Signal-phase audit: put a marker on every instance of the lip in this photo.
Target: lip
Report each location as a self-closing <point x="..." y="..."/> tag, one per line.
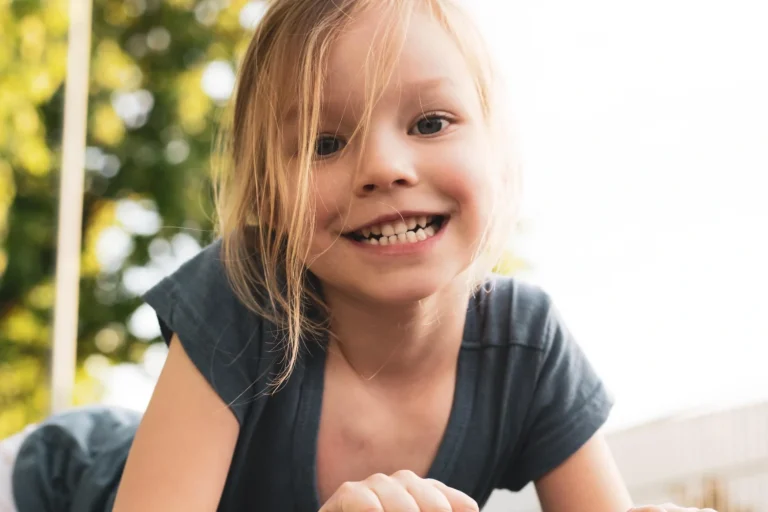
<point x="394" y="217"/>
<point x="403" y="249"/>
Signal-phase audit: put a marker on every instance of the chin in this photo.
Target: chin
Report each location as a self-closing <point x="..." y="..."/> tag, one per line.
<point x="400" y="293"/>
<point x="393" y="285"/>
<point x="394" y="290"/>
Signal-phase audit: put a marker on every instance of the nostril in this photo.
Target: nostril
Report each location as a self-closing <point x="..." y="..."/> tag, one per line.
<point x="401" y="182"/>
<point x="369" y="187"/>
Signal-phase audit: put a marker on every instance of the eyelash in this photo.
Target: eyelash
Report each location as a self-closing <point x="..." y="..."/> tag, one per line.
<point x="431" y="116"/>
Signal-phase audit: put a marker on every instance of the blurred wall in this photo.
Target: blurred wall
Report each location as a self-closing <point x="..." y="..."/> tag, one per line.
<point x="717" y="460"/>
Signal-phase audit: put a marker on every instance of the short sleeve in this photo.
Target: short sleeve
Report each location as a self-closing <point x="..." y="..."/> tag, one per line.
<point x="569" y="405"/>
<point x="223" y="339"/>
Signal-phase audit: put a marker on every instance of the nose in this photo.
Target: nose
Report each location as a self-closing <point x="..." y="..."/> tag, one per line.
<point x="386" y="164"/>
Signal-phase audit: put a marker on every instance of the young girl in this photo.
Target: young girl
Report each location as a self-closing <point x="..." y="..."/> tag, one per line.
<point x="343" y="347"/>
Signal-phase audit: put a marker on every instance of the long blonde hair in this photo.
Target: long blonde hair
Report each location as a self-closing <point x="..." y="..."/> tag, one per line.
<point x="264" y="226"/>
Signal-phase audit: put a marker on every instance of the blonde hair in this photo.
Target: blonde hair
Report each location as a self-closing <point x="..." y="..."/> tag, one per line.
<point x="264" y="226"/>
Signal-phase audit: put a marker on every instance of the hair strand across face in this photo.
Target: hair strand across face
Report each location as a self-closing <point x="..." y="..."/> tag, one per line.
<point x="263" y="191"/>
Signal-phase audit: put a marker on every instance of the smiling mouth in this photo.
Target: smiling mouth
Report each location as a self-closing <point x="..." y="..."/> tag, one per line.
<point x="404" y="231"/>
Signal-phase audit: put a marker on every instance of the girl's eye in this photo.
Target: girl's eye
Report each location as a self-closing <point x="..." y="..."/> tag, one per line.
<point x="327" y="145"/>
<point x="430" y="125"/>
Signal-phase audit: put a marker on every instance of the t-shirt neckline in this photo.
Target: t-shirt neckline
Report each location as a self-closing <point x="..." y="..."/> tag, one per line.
<point x="307" y="425"/>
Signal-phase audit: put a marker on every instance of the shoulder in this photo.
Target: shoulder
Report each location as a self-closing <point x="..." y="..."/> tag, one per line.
<point x="551" y="400"/>
<point x="200" y="292"/>
<point x="231" y="345"/>
<point x="509" y="311"/>
<point x="200" y="286"/>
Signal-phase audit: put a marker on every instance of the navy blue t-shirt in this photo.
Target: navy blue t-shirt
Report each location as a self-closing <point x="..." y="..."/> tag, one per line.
<point x="525" y="399"/>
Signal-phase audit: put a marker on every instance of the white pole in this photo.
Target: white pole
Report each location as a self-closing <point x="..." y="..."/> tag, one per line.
<point x="71" y="206"/>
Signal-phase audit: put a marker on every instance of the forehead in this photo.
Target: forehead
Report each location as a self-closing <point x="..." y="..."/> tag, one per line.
<point x="425" y="54"/>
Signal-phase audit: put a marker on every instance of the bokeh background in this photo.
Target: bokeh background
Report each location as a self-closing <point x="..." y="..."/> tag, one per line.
<point x="643" y="134"/>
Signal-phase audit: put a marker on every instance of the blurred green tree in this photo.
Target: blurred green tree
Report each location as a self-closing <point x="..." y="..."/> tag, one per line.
<point x="159" y="72"/>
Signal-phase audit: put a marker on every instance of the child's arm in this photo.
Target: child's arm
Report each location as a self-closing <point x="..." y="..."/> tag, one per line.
<point x="588" y="481"/>
<point x="183" y="448"/>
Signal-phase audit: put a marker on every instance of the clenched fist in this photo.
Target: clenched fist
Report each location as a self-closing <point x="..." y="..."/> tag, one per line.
<point x="403" y="491"/>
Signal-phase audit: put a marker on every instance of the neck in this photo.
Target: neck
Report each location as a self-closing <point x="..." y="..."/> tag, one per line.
<point x="397" y="342"/>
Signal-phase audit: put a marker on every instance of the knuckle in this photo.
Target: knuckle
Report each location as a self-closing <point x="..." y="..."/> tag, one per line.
<point x="471" y="505"/>
<point x="460" y="499"/>
<point x="466" y="503"/>
<point x="378" y="478"/>
<point x="349" y="494"/>
<point x="348" y="488"/>
<point x="405" y="474"/>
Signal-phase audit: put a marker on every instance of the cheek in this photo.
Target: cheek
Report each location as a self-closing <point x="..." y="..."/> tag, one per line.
<point x="466" y="176"/>
<point x="330" y="193"/>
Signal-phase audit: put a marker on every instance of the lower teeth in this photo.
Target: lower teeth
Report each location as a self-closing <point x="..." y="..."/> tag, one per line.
<point x="407" y="237"/>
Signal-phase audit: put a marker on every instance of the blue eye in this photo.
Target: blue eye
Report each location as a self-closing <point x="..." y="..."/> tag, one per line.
<point x="327" y="145"/>
<point x="430" y="125"/>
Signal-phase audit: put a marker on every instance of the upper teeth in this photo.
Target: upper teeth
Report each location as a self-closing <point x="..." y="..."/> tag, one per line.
<point x="411" y="229"/>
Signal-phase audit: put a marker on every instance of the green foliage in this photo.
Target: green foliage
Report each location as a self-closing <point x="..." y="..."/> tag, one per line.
<point x="150" y="53"/>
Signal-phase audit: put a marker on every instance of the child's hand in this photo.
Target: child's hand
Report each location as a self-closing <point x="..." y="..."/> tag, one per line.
<point x="403" y="490"/>
<point x="668" y="507"/>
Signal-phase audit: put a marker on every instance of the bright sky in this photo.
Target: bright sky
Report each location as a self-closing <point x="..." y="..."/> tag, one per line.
<point x="645" y="138"/>
<point x="644" y="129"/>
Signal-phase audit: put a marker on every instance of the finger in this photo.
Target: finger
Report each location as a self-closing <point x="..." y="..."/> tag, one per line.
<point x="459" y="501"/>
<point x="428" y="497"/>
<point x="353" y="497"/>
<point x="391" y="494"/>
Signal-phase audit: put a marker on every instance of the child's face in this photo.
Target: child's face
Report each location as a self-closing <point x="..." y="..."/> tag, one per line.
<point x="425" y="160"/>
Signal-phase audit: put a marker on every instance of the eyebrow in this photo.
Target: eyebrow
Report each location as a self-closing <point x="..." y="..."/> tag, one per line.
<point x="429" y="84"/>
<point x="292" y="113"/>
<point x="418" y="92"/>
<point x="416" y="87"/>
